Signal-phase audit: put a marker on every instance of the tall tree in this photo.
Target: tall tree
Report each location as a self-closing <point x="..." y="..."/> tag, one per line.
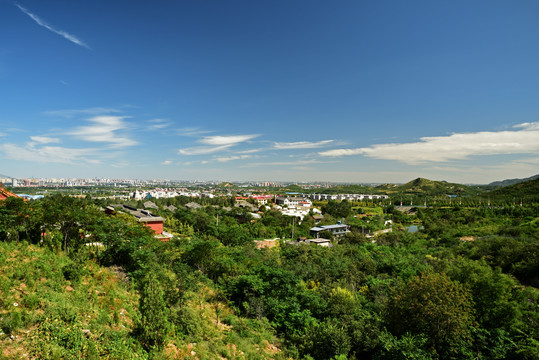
<point x="154" y="325"/>
<point x="434" y="305"/>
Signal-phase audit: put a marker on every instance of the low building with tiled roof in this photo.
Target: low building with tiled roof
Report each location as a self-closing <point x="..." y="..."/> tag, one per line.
<point x="143" y="216"/>
<point x="4" y="193"/>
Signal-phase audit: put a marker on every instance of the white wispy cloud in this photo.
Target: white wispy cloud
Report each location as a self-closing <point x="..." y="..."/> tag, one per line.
<point x="44" y="140"/>
<point x="48" y="154"/>
<point x="166" y="162"/>
<point x="157" y="124"/>
<point x="233" y="157"/>
<point x="62" y="33"/>
<point x="120" y="164"/>
<point x="528" y="126"/>
<point x="251" y="151"/>
<point x="219" y="142"/>
<point x="104" y="129"/>
<point x="192" y="132"/>
<point x="302" y="144"/>
<point x="534" y="161"/>
<point x="226" y="140"/>
<point x="458" y="146"/>
<point x="203" y="150"/>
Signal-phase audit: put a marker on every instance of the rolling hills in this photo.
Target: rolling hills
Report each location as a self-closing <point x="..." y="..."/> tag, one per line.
<point x="426" y="187"/>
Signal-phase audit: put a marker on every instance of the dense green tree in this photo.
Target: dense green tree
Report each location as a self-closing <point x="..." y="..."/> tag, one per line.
<point x="325" y="340"/>
<point x="154" y="326"/>
<point x="437" y="307"/>
<point x="14" y="219"/>
<point x="68" y="215"/>
<point x="353" y="237"/>
<point x="404" y="347"/>
<point x="338" y="209"/>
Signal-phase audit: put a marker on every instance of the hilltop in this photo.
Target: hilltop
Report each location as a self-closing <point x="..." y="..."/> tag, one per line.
<point x="523" y="190"/>
<point x="508" y="182"/>
<point x="421" y="186"/>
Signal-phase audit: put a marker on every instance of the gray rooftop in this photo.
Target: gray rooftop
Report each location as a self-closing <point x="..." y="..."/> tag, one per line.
<point x="327" y="227"/>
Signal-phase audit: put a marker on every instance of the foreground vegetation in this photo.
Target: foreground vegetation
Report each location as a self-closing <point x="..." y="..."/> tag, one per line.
<point x="210" y="293"/>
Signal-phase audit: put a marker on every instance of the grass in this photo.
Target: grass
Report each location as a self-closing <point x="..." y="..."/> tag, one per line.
<point x="48" y="312"/>
<point x="221" y="334"/>
<point x="52" y="307"/>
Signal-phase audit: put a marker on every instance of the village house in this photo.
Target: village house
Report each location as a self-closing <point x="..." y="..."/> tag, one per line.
<point x="4" y="194"/>
<point x="143" y="216"/>
<point x="293" y="201"/>
<point x="337" y="230"/>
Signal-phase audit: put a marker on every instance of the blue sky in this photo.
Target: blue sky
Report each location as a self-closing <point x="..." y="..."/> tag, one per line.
<point x="352" y="91"/>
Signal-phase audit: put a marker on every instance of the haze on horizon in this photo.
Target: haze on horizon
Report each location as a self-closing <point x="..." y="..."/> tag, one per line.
<point x="278" y="91"/>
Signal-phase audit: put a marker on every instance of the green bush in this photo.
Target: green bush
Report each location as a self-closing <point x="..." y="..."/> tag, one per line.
<point x="31" y="301"/>
<point x="187" y="321"/>
<point x="59" y="340"/>
<point x="10" y="322"/>
<point x="73" y="272"/>
<point x="153" y="326"/>
<point x="325" y="340"/>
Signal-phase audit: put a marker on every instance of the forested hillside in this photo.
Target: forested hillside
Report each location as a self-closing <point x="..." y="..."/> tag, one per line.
<point x="425" y="187"/>
<point x="77" y="283"/>
<point x="508" y="182"/>
<point x="527" y="190"/>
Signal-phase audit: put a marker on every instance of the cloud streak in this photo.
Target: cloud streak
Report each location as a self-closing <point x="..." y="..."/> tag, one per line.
<point x="302" y="144"/>
<point x="233" y="157"/>
<point x="158" y="124"/>
<point x="226" y="140"/>
<point x="192" y="132"/>
<point x="203" y="150"/>
<point x="217" y="143"/>
<point x="47" y="154"/>
<point x="103" y="129"/>
<point x="457" y="146"/>
<point x="44" y="139"/>
<point x="62" y="33"/>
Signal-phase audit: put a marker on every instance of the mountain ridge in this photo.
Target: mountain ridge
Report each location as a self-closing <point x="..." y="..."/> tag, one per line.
<point x="422" y="186"/>
<point x="526" y="189"/>
<point x="508" y="182"/>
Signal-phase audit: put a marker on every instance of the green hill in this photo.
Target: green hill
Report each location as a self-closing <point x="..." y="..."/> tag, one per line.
<point x="508" y="182"/>
<point x="52" y="307"/>
<point x="426" y="187"/>
<point x="526" y="190"/>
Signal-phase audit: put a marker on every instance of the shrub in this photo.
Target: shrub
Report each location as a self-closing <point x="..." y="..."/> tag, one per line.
<point x="153" y="326"/>
<point x="11" y="322"/>
<point x="73" y="272"/>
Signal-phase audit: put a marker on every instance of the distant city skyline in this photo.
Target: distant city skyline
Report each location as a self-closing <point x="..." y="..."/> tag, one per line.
<point x="351" y="91"/>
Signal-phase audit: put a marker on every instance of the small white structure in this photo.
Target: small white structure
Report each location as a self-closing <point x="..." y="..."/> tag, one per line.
<point x="293" y="201"/>
<point x="336" y="229"/>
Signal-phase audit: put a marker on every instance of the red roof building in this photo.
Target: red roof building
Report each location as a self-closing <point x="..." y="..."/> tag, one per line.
<point x="4" y="194"/>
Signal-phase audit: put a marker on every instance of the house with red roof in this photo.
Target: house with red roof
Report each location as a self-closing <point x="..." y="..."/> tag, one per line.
<point x="4" y="194"/>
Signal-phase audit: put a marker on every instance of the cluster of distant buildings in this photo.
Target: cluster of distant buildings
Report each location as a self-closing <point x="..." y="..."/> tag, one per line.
<point x="82" y="182"/>
<point x="291" y="206"/>
<point x="163" y="193"/>
<point x="350" y="197"/>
